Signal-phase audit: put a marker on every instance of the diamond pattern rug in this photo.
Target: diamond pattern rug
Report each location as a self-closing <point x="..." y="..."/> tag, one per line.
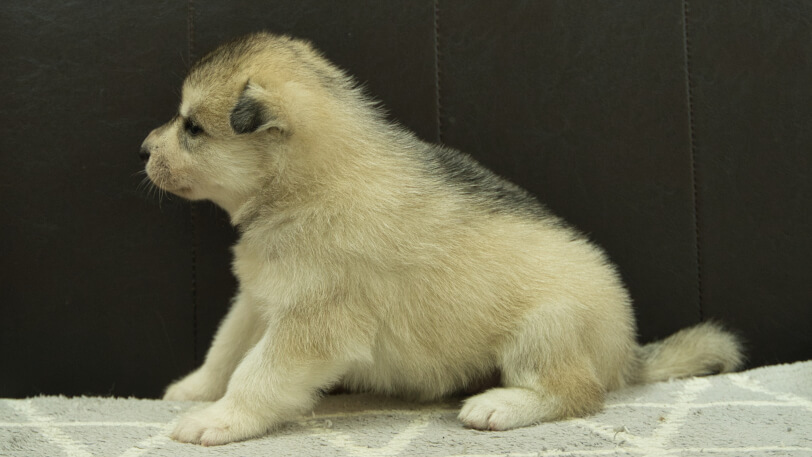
<point x="763" y="412"/>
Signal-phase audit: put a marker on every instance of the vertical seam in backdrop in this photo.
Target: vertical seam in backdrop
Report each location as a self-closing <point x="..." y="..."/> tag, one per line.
<point x="193" y="210"/>
<point x="689" y="87"/>
<point x="437" y="71"/>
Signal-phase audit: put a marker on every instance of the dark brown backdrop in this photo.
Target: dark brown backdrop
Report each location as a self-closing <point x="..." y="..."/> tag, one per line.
<point x="676" y="133"/>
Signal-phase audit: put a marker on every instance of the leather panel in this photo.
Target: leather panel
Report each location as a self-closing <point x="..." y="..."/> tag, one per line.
<point x="96" y="274"/>
<point x="751" y="70"/>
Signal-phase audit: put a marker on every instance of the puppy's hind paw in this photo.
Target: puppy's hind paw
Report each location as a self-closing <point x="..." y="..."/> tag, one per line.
<point x="502" y="409"/>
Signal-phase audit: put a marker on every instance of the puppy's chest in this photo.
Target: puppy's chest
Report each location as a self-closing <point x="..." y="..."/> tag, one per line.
<point x="268" y="276"/>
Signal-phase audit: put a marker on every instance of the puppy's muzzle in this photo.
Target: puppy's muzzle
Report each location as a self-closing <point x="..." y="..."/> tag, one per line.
<point x="149" y="144"/>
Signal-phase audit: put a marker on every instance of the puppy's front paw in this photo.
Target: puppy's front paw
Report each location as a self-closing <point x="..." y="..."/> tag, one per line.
<point x="197" y="386"/>
<point x="221" y="423"/>
<point x="502" y="409"/>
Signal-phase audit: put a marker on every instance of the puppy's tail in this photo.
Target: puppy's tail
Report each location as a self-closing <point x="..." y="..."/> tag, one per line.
<point x="704" y="349"/>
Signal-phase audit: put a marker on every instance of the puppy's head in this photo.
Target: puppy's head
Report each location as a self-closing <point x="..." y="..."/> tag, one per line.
<point x="235" y="122"/>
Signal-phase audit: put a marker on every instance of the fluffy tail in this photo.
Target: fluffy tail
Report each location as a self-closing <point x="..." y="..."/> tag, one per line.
<point x="696" y="351"/>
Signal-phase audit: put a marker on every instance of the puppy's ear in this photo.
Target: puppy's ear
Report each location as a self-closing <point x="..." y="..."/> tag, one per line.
<point x="256" y="109"/>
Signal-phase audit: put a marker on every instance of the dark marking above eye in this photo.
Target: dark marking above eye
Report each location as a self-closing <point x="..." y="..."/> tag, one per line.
<point x="192" y="127"/>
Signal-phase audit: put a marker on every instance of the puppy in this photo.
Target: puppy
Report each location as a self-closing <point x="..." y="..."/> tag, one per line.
<point x="374" y="261"/>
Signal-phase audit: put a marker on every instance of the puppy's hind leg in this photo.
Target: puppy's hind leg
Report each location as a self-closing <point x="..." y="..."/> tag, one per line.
<point x="564" y="392"/>
<point x="538" y="387"/>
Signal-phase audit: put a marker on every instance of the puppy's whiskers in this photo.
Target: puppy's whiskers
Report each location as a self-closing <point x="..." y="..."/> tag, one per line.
<point x="149" y="189"/>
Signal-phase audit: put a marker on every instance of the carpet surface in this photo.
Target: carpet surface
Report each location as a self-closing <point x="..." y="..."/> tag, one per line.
<point x="765" y="411"/>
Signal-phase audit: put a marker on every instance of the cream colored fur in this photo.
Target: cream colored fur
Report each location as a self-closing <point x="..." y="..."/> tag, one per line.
<point x="370" y="259"/>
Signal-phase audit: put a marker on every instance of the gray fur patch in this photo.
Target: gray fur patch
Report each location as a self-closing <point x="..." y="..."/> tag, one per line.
<point x="478" y="183"/>
<point x="248" y="114"/>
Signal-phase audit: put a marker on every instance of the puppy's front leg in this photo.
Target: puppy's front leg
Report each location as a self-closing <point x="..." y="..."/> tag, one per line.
<point x="239" y="332"/>
<point x="279" y="378"/>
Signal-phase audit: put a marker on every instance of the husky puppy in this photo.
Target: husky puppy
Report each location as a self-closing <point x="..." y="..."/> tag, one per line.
<point x="375" y="261"/>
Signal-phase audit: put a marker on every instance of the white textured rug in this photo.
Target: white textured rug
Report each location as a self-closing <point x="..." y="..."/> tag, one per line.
<point x="766" y="411"/>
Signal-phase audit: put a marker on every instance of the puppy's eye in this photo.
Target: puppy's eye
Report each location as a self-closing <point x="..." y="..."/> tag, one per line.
<point x="192" y="128"/>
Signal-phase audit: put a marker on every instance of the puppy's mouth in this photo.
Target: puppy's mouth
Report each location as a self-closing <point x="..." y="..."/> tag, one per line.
<point x="181" y="191"/>
<point x="164" y="180"/>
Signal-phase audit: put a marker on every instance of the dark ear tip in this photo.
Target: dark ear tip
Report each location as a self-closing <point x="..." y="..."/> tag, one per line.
<point x="243" y="122"/>
<point x="248" y="114"/>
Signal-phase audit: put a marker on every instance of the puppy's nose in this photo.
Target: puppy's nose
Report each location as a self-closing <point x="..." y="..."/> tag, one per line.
<point x="144" y="153"/>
